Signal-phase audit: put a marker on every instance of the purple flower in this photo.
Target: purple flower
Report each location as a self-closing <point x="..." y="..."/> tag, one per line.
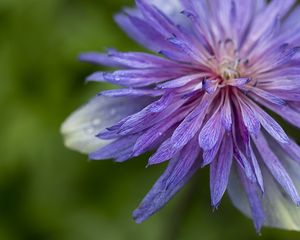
<point x="204" y="101"/>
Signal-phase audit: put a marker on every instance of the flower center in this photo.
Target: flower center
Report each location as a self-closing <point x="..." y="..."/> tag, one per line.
<point x="229" y="69"/>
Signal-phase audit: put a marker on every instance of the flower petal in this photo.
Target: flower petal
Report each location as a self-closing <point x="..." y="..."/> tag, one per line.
<point x="80" y="129"/>
<point x="139" y="60"/>
<point x="158" y="131"/>
<point x="270" y="125"/>
<point x="280" y="211"/>
<point x="99" y="59"/>
<point x="211" y="132"/>
<point x="165" y="152"/>
<point x="125" y="92"/>
<point x="178" y="172"/>
<point x="246" y="197"/>
<point x="169" y="7"/>
<point x="276" y="168"/>
<point x="121" y="149"/>
<point x="220" y="170"/>
<point x="192" y="123"/>
<point x="141" y="77"/>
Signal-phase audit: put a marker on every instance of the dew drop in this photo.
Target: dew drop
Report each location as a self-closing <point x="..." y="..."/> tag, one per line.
<point x="89" y="130"/>
<point x="96" y="122"/>
<point x="113" y="111"/>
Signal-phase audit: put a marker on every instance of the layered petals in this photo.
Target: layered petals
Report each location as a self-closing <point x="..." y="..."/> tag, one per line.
<point x="205" y="97"/>
<point x="81" y="128"/>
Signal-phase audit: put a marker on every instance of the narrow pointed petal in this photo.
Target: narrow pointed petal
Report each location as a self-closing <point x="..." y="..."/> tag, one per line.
<point x="249" y="118"/>
<point x="272" y="127"/>
<point x="211" y="132"/>
<point x="226" y="114"/>
<point x="191" y="124"/>
<point x="120" y="150"/>
<point x="277" y="169"/>
<point x="246" y="197"/>
<point x="210" y="155"/>
<point x="293" y="150"/>
<point x="99" y="59"/>
<point x="141" y="78"/>
<point x="159" y="131"/>
<point x="280" y="211"/>
<point x="220" y="171"/>
<point x="180" y="82"/>
<point x="165" y="152"/>
<point x="139" y="60"/>
<point x="131" y="92"/>
<point x="179" y="171"/>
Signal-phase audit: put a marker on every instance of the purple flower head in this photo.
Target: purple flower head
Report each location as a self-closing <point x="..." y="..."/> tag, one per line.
<point x="203" y="100"/>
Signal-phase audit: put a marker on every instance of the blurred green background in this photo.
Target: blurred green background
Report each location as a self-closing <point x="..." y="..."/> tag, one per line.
<point x="50" y="193"/>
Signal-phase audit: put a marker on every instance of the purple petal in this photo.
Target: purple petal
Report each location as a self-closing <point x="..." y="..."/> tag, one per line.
<point x="244" y="164"/>
<point x="267" y="96"/>
<point x="292" y="149"/>
<point x="191" y="124"/>
<point x="150" y="33"/>
<point x="97" y="76"/>
<point x="179" y="171"/>
<point x="276" y="168"/>
<point x="117" y="149"/>
<point x="142" y="77"/>
<point x="249" y="117"/>
<point x="271" y="126"/>
<point x="257" y="170"/>
<point x="211" y="132"/>
<point x="165" y="152"/>
<point x="280" y="211"/>
<point x="220" y="169"/>
<point x="180" y="82"/>
<point x="290" y="114"/>
<point x="159" y="20"/>
<point x="152" y="114"/>
<point x="210" y="86"/>
<point x="226" y="113"/>
<point x="239" y="81"/>
<point x="209" y="155"/>
<point x="182" y="46"/>
<point x="288" y="95"/>
<point x="157" y="131"/>
<point x="132" y="92"/>
<point x="255" y="203"/>
<point x="274" y="9"/>
<point x="134" y="32"/>
<point x="140" y="60"/>
<point x="99" y="59"/>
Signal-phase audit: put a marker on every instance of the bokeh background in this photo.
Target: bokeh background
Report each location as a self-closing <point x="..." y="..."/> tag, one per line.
<point x="48" y="192"/>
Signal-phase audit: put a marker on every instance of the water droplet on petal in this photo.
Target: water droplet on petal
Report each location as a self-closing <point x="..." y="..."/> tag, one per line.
<point x="96" y="122"/>
<point x="113" y="111"/>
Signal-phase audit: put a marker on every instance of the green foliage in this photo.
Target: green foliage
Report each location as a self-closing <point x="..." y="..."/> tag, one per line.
<point x="50" y="193"/>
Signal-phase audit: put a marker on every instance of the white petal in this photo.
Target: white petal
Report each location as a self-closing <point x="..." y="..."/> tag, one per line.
<point x="172" y="9"/>
<point x="280" y="211"/>
<point x="237" y="194"/>
<point x="169" y="7"/>
<point x="80" y="129"/>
